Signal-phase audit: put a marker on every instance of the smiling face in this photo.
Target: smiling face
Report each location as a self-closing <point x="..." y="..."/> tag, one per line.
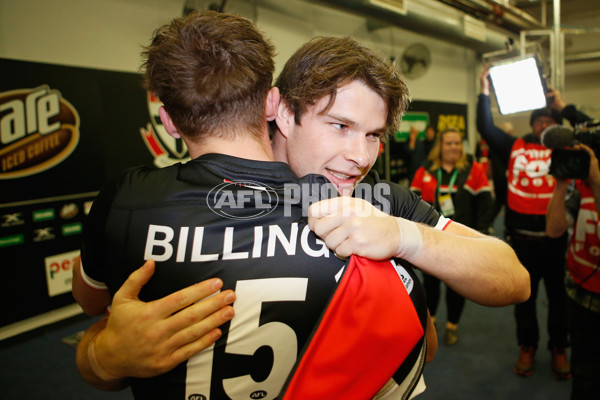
<point x="451" y="147"/>
<point x="341" y="143"/>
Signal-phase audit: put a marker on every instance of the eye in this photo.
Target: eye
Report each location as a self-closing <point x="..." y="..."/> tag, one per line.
<point x="375" y="135"/>
<point x="339" y="126"/>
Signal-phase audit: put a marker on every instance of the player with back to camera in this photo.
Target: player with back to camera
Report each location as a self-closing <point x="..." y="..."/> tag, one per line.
<point x="505" y="280"/>
<point x="274" y="259"/>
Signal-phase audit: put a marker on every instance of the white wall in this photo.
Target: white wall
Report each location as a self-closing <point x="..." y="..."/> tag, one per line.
<point x="108" y="34"/>
<point x="105" y="34"/>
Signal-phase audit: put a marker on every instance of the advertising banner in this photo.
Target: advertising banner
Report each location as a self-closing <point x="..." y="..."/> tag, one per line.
<point x="64" y="131"/>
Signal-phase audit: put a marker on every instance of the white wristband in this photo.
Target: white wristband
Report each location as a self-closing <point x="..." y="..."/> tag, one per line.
<point x="98" y="370"/>
<point x="411" y="240"/>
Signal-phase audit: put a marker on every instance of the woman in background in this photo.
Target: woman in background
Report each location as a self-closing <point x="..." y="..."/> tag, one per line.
<point x="457" y="186"/>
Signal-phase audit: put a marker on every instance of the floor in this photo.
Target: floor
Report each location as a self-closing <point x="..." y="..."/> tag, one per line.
<point x="479" y="366"/>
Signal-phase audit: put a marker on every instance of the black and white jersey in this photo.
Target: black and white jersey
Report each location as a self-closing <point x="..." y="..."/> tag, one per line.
<point x="236" y="219"/>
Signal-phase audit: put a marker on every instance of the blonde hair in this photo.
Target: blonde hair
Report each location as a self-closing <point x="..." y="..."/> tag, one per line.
<point x="435" y="155"/>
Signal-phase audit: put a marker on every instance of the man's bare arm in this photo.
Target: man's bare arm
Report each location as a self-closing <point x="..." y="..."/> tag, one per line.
<point x="431" y="337"/>
<point x="556" y="214"/>
<point x="142" y="339"/>
<point x="481" y="268"/>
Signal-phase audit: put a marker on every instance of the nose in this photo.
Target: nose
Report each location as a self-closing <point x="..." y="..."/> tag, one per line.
<point x="358" y="152"/>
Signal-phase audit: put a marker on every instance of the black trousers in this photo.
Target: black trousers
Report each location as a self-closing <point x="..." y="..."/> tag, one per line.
<point x="584" y="328"/>
<point x="544" y="258"/>
<point x="455" y="303"/>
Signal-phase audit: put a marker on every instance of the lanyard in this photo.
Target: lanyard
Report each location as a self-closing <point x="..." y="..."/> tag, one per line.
<point x="444" y="202"/>
<point x="450" y="185"/>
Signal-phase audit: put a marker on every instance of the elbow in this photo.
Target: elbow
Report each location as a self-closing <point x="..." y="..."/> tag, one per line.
<point x="517" y="289"/>
<point x="522" y="286"/>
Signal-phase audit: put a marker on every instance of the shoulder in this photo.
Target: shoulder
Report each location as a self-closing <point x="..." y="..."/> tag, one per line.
<point x="476" y="166"/>
<point x="137" y="182"/>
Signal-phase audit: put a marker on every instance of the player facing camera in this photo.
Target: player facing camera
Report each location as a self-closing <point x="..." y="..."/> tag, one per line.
<point x="569" y="163"/>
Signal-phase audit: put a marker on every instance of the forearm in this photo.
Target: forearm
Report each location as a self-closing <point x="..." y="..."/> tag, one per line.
<point x="574" y="116"/>
<point x="498" y="141"/>
<point x="481" y="268"/>
<point x="556" y="215"/>
<point x="596" y="191"/>
<point x="88" y="368"/>
<point x="431" y="338"/>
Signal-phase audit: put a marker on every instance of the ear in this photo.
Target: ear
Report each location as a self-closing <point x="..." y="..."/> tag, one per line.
<point x="272" y="103"/>
<point x="168" y="123"/>
<point x="285" y="118"/>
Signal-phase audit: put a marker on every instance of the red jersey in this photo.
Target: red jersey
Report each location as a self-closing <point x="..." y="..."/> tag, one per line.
<point x="584" y="247"/>
<point x="530" y="186"/>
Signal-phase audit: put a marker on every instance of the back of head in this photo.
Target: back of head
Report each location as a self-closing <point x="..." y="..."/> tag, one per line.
<point x="321" y="66"/>
<point x="212" y="71"/>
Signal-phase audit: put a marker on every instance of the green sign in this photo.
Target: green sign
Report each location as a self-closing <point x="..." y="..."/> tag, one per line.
<point x="410" y="119"/>
<point x="12" y="240"/>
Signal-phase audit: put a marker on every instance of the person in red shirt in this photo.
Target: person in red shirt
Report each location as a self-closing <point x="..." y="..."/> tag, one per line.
<point x="582" y="280"/>
<point x="457" y="186"/>
<point x="529" y="189"/>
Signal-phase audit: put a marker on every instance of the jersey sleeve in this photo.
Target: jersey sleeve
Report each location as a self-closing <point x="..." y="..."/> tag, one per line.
<point x="498" y="141"/>
<point x="92" y="248"/>
<point x="411" y="206"/>
<point x="399" y="201"/>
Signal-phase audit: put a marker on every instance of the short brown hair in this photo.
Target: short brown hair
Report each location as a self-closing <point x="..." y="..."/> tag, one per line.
<point x="324" y="64"/>
<point x="212" y="71"/>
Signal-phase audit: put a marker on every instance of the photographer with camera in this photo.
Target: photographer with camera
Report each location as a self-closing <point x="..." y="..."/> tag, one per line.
<point x="529" y="188"/>
<point x="582" y="280"/>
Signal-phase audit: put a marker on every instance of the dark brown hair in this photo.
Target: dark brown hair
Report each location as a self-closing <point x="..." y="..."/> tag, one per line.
<point x="324" y="64"/>
<point x="212" y="71"/>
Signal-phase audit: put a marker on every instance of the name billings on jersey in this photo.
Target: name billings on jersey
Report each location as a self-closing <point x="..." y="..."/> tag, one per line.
<point x="165" y="243"/>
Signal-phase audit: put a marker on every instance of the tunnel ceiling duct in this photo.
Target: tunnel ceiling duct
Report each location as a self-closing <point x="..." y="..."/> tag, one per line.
<point x="431" y="18"/>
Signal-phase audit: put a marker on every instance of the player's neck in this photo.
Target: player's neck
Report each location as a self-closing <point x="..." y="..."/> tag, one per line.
<point x="248" y="147"/>
<point x="279" y="148"/>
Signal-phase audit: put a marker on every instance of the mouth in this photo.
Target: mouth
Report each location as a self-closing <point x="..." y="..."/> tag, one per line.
<point x="341" y="180"/>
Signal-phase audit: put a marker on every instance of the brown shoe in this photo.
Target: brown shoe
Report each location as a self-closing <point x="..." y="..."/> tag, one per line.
<point x="559" y="364"/>
<point x="451" y="337"/>
<point x="524" y="365"/>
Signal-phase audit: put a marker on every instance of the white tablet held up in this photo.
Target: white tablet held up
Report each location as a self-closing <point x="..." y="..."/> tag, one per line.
<point x="518" y="84"/>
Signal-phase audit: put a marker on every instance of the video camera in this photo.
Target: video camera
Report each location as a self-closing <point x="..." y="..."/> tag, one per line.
<point x="572" y="163"/>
